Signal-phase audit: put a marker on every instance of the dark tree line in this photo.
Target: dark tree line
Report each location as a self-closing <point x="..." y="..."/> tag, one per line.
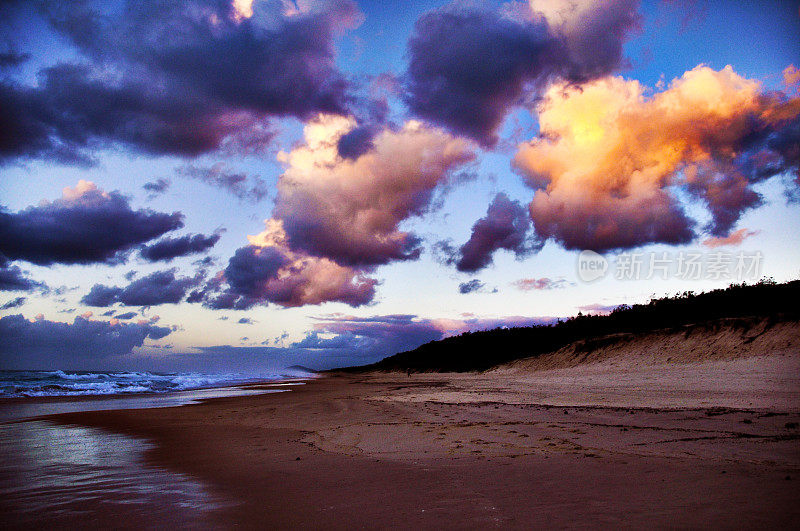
<point x="477" y="351"/>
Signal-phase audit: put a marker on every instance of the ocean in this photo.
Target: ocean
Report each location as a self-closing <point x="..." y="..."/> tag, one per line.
<point x="14" y="384"/>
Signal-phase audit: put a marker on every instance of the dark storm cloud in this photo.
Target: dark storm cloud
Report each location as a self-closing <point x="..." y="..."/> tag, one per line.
<point x="507" y="226"/>
<point x="175" y="77"/>
<point x="161" y="287"/>
<point x="168" y="248"/>
<point x="85" y="226"/>
<point x="469" y="65"/>
<point x="47" y="344"/>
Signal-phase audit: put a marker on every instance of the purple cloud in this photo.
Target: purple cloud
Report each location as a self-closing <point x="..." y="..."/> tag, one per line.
<point x="189" y="78"/>
<point x="469" y="65"/>
<point x="506" y="225"/>
<point x="271" y="274"/>
<point x="169" y="248"/>
<point x="47" y="344"/>
<point x="349" y="210"/>
<point x="85" y="226"/>
<point x="161" y="287"/>
<point x="12" y="278"/>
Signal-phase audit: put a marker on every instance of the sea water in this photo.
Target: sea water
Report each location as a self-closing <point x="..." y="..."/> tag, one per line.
<point x="89" y="383"/>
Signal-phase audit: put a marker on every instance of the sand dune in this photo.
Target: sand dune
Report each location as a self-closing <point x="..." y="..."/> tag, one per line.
<point x="724" y="339"/>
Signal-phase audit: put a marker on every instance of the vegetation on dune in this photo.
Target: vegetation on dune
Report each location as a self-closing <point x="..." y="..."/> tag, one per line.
<point x="476" y="351"/>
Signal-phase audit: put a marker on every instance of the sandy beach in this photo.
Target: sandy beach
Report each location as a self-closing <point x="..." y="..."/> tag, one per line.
<point x="607" y="444"/>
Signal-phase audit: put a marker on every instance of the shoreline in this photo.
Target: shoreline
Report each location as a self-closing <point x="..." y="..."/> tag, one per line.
<point x="21" y="409"/>
<point x="384" y="450"/>
<point x="139" y="394"/>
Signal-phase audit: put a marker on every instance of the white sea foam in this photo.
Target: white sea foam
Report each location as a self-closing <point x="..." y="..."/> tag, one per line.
<point x="73" y="383"/>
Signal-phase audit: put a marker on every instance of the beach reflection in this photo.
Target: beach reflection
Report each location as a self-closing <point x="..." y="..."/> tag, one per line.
<point x="55" y="475"/>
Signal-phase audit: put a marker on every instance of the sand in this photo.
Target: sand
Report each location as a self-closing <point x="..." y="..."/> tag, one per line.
<point x="616" y="443"/>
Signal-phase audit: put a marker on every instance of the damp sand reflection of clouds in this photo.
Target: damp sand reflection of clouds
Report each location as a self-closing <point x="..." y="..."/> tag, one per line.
<point x="60" y="475"/>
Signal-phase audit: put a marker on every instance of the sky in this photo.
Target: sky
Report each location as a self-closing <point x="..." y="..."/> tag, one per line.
<point x="240" y="186"/>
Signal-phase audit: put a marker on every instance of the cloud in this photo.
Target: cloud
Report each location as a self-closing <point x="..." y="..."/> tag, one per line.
<point x="180" y="78"/>
<point x="598" y="309"/>
<point x="335" y="341"/>
<point x="44" y="344"/>
<point x="528" y="284"/>
<point x="12" y="278"/>
<point x="349" y="210"/>
<point x="468" y="65"/>
<point x="505" y="226"/>
<point x="609" y="157"/>
<point x="11" y="59"/>
<point x="169" y="248"/>
<point x="126" y="316"/>
<point x="592" y="33"/>
<point x="237" y="184"/>
<point x="13" y="303"/>
<point x="87" y="225"/>
<point x="364" y="339"/>
<point x="246" y="320"/>
<point x="336" y="218"/>
<point x="791" y="76"/>
<point x="159" y="186"/>
<point x="267" y="271"/>
<point x="356" y="142"/>
<point x="735" y="238"/>
<point x="470" y="286"/>
<point x="160" y="287"/>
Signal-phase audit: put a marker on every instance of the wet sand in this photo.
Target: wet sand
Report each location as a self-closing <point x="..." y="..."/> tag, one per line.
<point x="608" y="444"/>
